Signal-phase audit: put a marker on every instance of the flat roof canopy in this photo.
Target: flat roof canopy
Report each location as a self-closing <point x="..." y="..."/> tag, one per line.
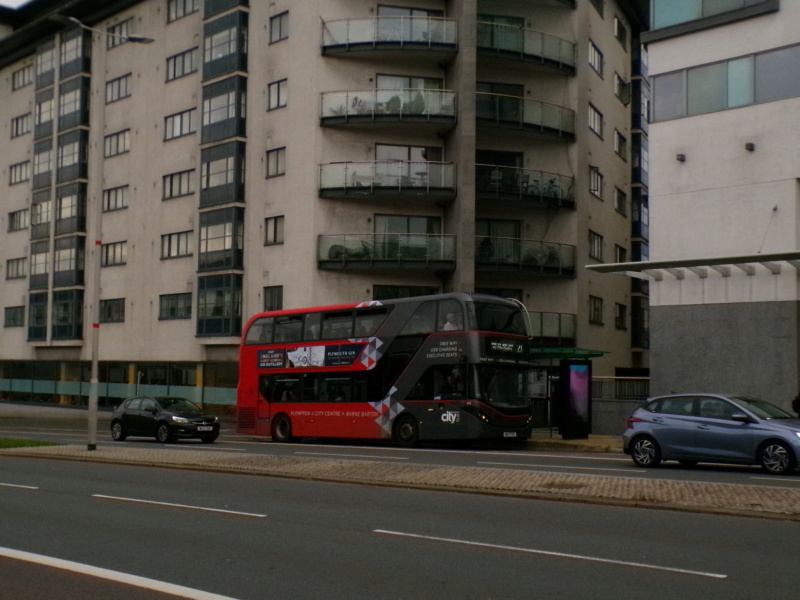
<point x="654" y="270"/>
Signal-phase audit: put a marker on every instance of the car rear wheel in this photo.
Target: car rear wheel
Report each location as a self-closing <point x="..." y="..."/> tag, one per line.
<point x="118" y="431"/>
<point x="777" y="458"/>
<point x="282" y="429"/>
<point x="406" y="432"/>
<point x="645" y="452"/>
<point x="163" y="434"/>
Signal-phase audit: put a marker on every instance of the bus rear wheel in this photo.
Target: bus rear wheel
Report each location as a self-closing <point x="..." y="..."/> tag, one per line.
<point x="406" y="432"/>
<point x="282" y="429"/>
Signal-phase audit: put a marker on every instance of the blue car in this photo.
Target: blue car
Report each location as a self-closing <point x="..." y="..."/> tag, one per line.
<point x="714" y="428"/>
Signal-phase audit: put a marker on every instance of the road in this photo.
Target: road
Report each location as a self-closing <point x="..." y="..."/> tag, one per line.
<point x="259" y="537"/>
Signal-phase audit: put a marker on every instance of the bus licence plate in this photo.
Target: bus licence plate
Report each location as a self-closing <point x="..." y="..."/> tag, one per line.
<point x="204" y="428"/>
<point x="509" y="434"/>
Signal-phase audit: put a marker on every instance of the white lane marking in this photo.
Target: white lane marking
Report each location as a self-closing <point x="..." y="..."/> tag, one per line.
<point x="556" y="554"/>
<point x="499" y="464"/>
<point x="329" y="455"/>
<point x="13" y="485"/>
<point x="216" y="510"/>
<point x="135" y="580"/>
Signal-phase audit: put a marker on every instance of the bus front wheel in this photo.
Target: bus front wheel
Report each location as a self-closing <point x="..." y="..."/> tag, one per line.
<point x="281" y="429"/>
<point x="406" y="431"/>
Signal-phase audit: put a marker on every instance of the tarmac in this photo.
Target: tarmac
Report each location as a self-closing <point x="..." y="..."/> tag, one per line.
<point x="771" y="502"/>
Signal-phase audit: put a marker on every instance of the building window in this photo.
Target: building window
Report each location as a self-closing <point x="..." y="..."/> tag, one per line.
<point x="112" y="311"/>
<point x="116" y="35"/>
<point x="118" y="88"/>
<point x="75" y="46"/>
<point x="620" y="145"/>
<point x="174" y="306"/>
<point x="21" y="125"/>
<point x="279" y="27"/>
<point x="595" y="58"/>
<point x="177" y="9"/>
<point x="595" y="120"/>
<point x="71" y="208"/>
<point x="18" y="220"/>
<point x="114" y="254"/>
<point x="276" y="94"/>
<point x="621" y="32"/>
<point x="115" y="198"/>
<point x="273" y="228"/>
<point x="176" y="245"/>
<point x="595" y="182"/>
<point x="17" y="268"/>
<point x="273" y="297"/>
<point x="180" y="124"/>
<point x="225" y="45"/>
<point x="67" y="315"/>
<point x="45" y="64"/>
<point x="222" y="174"/>
<point x="72" y="161"/>
<point x="41" y="209"/>
<point x="73" y="103"/>
<point x="68" y="261"/>
<point x="22" y="77"/>
<point x="42" y="163"/>
<point x="178" y="184"/>
<point x="14" y="317"/>
<point x="622" y="89"/>
<point x="43" y="114"/>
<point x="183" y="64"/>
<point x="620" y="254"/>
<point x="276" y="162"/>
<point x="595" y="245"/>
<point x="221" y="239"/>
<point x="20" y="172"/>
<point x="595" y="310"/>
<point x="224" y="109"/>
<point x="620" y="316"/>
<point x="117" y="143"/>
<point x="620" y="201"/>
<point x="219" y="305"/>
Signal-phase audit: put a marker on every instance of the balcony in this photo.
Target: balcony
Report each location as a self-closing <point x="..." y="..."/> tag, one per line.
<point x="528" y="187"/>
<point x="513" y="112"/>
<point x="516" y="255"/>
<point x="552" y="329"/>
<point x="388" y="179"/>
<point x="408" y="105"/>
<point x="430" y="252"/>
<point x="411" y="35"/>
<point x="530" y="47"/>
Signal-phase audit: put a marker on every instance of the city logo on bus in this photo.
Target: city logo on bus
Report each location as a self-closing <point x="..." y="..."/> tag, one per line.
<point x="451" y="416"/>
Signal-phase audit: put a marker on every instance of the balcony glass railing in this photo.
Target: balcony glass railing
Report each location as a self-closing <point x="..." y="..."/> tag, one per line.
<point x="525" y="44"/>
<point x="412" y="103"/>
<point x="526" y="185"/>
<point x="387" y="176"/>
<point x="552" y="326"/>
<point x="421" y="248"/>
<point x="525" y="114"/>
<point x="531" y="256"/>
<point x="413" y="32"/>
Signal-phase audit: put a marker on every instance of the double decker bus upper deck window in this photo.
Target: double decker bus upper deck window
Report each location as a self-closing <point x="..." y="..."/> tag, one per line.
<point x="260" y="332"/>
<point x="498" y="318"/>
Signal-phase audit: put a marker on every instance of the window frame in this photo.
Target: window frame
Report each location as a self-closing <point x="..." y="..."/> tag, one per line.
<point x="279" y="27"/>
<point x="596" y="58"/>
<point x="595" y="310"/>
<point x="180" y="124"/>
<point x="596" y="244"/>
<point x="185" y="184"/>
<point x="114" y="254"/>
<point x="595" y="120"/>
<point x="276" y="162"/>
<point x="274" y="230"/>
<point x="112" y="310"/>
<point x="118" y="88"/>
<point x="177" y="305"/>
<point x="188" y="61"/>
<point x="177" y="245"/>
<point x="277" y="94"/>
<point x="117" y="143"/>
<point x="596" y="182"/>
<point x="115" y="198"/>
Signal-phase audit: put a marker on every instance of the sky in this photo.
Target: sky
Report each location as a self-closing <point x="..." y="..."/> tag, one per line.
<point x="12" y="3"/>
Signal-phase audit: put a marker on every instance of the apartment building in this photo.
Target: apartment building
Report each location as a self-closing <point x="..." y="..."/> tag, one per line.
<point x="724" y="195"/>
<point x="176" y="166"/>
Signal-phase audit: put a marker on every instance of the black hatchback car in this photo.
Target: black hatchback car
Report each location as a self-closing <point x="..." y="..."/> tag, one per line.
<point x="163" y="417"/>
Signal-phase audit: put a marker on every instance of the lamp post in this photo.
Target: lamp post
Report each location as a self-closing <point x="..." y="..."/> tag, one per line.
<point x="94" y="381"/>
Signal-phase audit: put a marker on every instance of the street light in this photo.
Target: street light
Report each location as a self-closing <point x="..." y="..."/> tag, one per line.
<point x="94" y="381"/>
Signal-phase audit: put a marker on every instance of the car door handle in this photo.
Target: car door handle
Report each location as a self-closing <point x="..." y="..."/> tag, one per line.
<point x="658" y="420"/>
<point x="704" y="427"/>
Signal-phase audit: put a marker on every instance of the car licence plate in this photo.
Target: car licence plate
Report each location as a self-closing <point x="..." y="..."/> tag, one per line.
<point x="205" y="428"/>
<point x="509" y="434"/>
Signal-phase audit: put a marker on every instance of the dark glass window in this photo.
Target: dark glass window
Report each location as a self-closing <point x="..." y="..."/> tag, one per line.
<point x="224" y="109"/>
<point x="219" y="305"/>
<point x="221" y="239"/>
<point x="112" y="311"/>
<point x="72" y="159"/>
<point x="225" y="45"/>
<point x="222" y="174"/>
<point x="37" y="317"/>
<point x="68" y="315"/>
<point x="68" y="261"/>
<point x="175" y="306"/>
<point x="70" y="208"/>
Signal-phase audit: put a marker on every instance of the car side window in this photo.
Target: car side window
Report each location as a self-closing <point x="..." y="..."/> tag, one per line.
<point x="676" y="406"/>
<point x="133" y="404"/>
<point x="148" y="404"/>
<point x="714" y="408"/>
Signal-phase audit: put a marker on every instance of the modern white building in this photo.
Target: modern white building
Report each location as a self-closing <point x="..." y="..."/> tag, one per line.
<point x="724" y="197"/>
<point x="175" y="166"/>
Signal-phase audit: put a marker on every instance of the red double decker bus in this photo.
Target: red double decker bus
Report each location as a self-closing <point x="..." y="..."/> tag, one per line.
<point x="443" y="367"/>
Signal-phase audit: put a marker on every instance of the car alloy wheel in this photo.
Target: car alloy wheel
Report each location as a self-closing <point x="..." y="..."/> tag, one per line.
<point x="776" y="458"/>
<point x="645" y="452"/>
<point x="163" y="433"/>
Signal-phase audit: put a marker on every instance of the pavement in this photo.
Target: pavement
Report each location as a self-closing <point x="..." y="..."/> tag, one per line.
<point x="716" y="498"/>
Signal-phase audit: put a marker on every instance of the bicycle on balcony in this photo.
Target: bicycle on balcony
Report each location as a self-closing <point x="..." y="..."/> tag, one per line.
<point x="551" y="189"/>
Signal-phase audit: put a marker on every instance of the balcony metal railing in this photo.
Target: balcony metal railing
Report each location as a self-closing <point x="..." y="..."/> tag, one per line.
<point x="620" y="388"/>
<point x="410" y="250"/>
<point x="532" y="115"/>
<point x="389" y="105"/>
<point x="527" y="256"/>
<point x="526" y="44"/>
<point x="552" y="328"/>
<point x="389" y="32"/>
<point x="387" y="176"/>
<point x="528" y="185"/>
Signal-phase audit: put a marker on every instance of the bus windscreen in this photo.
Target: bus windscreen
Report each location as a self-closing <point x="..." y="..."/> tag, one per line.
<point x="498" y="318"/>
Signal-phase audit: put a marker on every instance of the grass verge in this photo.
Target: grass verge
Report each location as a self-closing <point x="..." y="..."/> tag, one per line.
<point x="6" y="444"/>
